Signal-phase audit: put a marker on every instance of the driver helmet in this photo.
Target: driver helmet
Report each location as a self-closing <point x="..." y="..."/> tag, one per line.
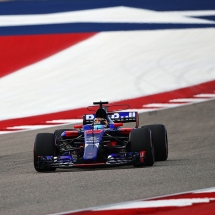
<point x="100" y="121"/>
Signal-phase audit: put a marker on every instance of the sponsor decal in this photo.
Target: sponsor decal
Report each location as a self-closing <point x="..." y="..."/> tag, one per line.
<point x="90" y="116"/>
<point x="120" y="115"/>
<point x="92" y="139"/>
<point x="123" y="115"/>
<point x="142" y="155"/>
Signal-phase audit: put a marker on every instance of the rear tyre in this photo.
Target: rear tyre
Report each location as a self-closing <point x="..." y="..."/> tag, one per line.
<point x="160" y="141"/>
<point x="43" y="146"/>
<point x="141" y="141"/>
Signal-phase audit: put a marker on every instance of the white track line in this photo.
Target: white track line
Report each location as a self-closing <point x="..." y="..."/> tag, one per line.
<point x="65" y="121"/>
<point x="207" y="190"/>
<point x="159" y="203"/>
<point x="190" y="100"/>
<point x="162" y="105"/>
<point x="205" y="95"/>
<point x="143" y="110"/>
<point x="29" y="127"/>
<point x="6" y="132"/>
<point x="110" y="15"/>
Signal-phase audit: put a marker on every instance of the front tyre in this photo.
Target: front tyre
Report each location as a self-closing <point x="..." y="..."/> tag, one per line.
<point x="141" y="140"/>
<point x="160" y="141"/>
<point x="43" y="146"/>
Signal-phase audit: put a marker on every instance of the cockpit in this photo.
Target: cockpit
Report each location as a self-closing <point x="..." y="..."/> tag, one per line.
<point x="100" y="123"/>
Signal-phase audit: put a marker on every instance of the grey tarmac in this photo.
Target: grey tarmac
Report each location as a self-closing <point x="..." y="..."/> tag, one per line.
<point x="190" y="166"/>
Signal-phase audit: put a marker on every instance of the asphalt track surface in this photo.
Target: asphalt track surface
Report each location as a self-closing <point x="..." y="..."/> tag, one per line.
<point x="190" y="166"/>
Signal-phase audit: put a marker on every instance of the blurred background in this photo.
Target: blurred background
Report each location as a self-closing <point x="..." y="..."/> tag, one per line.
<point x="59" y="56"/>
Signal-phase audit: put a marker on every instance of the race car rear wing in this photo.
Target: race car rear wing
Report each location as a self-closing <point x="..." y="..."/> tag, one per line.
<point x="115" y="117"/>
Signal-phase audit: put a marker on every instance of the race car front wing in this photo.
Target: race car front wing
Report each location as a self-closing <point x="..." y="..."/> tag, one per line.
<point x="113" y="159"/>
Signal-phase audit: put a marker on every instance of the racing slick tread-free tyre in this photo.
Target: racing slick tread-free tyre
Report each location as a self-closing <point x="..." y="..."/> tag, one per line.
<point x="141" y="141"/>
<point x="43" y="146"/>
<point x="160" y="141"/>
<point x="58" y="132"/>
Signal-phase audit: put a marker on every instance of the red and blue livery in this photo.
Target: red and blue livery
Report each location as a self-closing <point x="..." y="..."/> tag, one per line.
<point x="101" y="141"/>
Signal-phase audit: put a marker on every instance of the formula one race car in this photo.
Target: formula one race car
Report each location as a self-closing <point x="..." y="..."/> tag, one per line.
<point x="101" y="141"/>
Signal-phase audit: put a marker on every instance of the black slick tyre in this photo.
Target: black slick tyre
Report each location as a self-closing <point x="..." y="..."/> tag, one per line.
<point x="140" y="140"/>
<point x="160" y="141"/>
<point x="43" y="146"/>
